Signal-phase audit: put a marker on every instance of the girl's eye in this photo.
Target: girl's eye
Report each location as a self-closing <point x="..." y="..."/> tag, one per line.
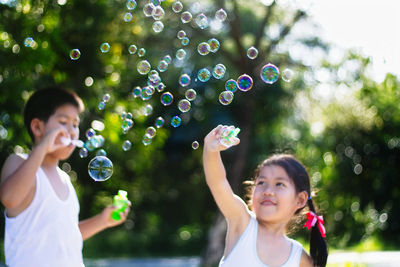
<point x="279" y="184"/>
<point x="63" y="122"/>
<point x="260" y="183"/>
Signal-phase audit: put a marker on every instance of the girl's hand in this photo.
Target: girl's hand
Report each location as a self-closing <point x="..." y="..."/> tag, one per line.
<point x="212" y="143"/>
<point x="105" y="216"/>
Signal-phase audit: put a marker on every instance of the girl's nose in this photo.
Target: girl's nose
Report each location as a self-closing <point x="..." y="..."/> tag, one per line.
<point x="268" y="190"/>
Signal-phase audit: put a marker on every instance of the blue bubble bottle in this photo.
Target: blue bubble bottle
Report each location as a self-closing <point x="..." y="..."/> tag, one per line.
<point x="228" y="135"/>
<point x="121" y="202"/>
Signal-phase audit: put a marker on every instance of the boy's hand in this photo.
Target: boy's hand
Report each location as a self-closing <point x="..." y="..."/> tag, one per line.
<point x="212" y="143"/>
<point x="110" y="222"/>
<point x="51" y="140"/>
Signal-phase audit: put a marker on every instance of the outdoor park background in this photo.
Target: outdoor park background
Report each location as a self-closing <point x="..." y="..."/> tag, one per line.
<point x="334" y="116"/>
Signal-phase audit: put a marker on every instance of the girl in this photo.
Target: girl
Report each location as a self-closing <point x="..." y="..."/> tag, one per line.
<point x="280" y="190"/>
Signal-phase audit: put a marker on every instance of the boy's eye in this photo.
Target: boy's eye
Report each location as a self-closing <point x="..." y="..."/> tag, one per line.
<point x="260" y="183"/>
<point x="280" y="184"/>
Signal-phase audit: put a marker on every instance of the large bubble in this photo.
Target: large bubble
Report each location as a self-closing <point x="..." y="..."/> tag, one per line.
<point x="100" y="168"/>
<point x="245" y="82"/>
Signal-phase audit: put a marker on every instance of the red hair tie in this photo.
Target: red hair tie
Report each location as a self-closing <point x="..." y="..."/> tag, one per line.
<point x="312" y="219"/>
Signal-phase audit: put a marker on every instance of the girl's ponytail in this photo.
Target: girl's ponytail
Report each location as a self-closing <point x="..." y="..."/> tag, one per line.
<point x="318" y="246"/>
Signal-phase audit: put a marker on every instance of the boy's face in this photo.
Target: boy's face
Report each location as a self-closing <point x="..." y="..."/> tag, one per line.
<point x="67" y="117"/>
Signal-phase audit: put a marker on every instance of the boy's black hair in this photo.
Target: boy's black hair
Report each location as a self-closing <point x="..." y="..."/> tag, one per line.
<point x="44" y="102"/>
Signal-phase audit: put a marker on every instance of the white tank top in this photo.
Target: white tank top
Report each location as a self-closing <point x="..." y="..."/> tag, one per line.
<point x="46" y="233"/>
<point x="244" y="253"/>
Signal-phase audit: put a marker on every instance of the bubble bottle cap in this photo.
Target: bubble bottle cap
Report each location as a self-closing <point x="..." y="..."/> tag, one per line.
<point x="122" y="194"/>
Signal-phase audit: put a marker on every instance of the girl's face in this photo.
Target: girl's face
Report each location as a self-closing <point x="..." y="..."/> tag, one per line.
<point x="274" y="196"/>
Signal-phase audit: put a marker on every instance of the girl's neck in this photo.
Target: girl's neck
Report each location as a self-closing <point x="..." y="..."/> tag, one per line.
<point x="273" y="230"/>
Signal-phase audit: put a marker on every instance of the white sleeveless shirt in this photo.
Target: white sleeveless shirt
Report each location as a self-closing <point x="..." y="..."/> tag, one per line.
<point x="46" y="233"/>
<point x="244" y="253"/>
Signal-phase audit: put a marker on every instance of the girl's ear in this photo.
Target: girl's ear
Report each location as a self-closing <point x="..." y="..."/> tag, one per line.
<point x="302" y="199"/>
<point x="37" y="127"/>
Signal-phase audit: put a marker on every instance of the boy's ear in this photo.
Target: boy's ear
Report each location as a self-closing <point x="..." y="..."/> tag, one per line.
<point x="37" y="127"/>
<point x="302" y="198"/>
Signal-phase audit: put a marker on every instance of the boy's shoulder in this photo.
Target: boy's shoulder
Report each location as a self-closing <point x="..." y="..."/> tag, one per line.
<point x="12" y="163"/>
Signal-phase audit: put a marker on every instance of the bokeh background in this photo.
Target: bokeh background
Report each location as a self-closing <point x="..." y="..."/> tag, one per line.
<point x="343" y="124"/>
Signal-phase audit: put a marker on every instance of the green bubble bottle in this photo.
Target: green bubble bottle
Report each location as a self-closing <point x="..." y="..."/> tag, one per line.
<point x="121" y="202"/>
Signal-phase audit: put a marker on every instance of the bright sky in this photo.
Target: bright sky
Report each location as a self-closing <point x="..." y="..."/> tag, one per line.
<point x="370" y="25"/>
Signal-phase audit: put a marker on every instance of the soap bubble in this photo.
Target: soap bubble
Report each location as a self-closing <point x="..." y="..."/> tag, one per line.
<point x="252" y="52"/>
<point x="186" y="17"/>
<point x="184" y="105"/>
<point x="195" y="145"/>
<point x="97" y="141"/>
<point x="190" y="94"/>
<point x="204" y="75"/>
<point x="29" y="42"/>
<point x="219" y="71"/>
<point x="184" y="80"/>
<point x="287" y="75"/>
<point x="106" y="97"/>
<point x="148" y="9"/>
<point x="132" y="49"/>
<point x="160" y="87"/>
<point x="231" y="85"/>
<point x="89" y="146"/>
<point x="75" y="54"/>
<point x="269" y="73"/>
<point x="101" y="105"/>
<point x="126" y="125"/>
<point x="131" y="4"/>
<point x="147" y="92"/>
<point x="90" y="133"/>
<point x="147" y="110"/>
<point x="177" y="6"/>
<point x="143" y="67"/>
<point x="158" y="13"/>
<point x="226" y="97"/>
<point x="167" y="59"/>
<point x="136" y="92"/>
<point x="203" y="48"/>
<point x="157" y="2"/>
<point x="202" y="21"/>
<point x="181" y="34"/>
<point x="162" y="66"/>
<point x="128" y="116"/>
<point x="101" y="152"/>
<point x="141" y="52"/>
<point x="221" y="15"/>
<point x="180" y="54"/>
<point x="147" y="140"/>
<point x="128" y="17"/>
<point x="245" y="82"/>
<point x="158" y="26"/>
<point x="105" y="47"/>
<point x="214" y="45"/>
<point x="100" y="168"/>
<point x="83" y="152"/>
<point x="176" y="121"/>
<point x="151" y="131"/>
<point x="159" y="122"/>
<point x="167" y="98"/>
<point x="126" y="145"/>
<point x="185" y="41"/>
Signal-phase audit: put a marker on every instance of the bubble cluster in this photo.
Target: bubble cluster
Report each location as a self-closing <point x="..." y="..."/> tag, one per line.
<point x="204" y="75"/>
<point x="100" y="168"/>
<point x="132" y="49"/>
<point x="184" y="80"/>
<point x="159" y="122"/>
<point x="231" y="85"/>
<point x="143" y="67"/>
<point x="203" y="48"/>
<point x="158" y="26"/>
<point x="190" y="94"/>
<point x="245" y="82"/>
<point x="221" y="15"/>
<point x="202" y="21"/>
<point x="219" y="71"/>
<point x="252" y="52"/>
<point x="226" y="97"/>
<point x="167" y="98"/>
<point x="176" y="121"/>
<point x="177" y="6"/>
<point x="126" y="145"/>
<point x="180" y="54"/>
<point x="214" y="45"/>
<point x="186" y="17"/>
<point x="195" y="145"/>
<point x="105" y="47"/>
<point x="184" y="105"/>
<point x="75" y="54"/>
<point x="287" y="75"/>
<point x="269" y="73"/>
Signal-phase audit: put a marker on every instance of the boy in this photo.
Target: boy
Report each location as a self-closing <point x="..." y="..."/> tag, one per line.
<point x="42" y="226"/>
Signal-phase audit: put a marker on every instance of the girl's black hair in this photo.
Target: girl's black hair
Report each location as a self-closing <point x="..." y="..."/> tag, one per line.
<point x="44" y="102"/>
<point x="298" y="173"/>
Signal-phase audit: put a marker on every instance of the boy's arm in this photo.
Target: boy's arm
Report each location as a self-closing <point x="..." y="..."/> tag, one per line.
<point x="232" y="207"/>
<point x="100" y="222"/>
